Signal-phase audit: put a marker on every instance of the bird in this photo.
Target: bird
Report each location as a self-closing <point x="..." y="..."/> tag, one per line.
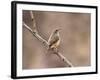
<point x="54" y="39"/>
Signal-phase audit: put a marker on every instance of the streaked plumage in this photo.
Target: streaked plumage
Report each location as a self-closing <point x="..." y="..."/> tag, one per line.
<point x="54" y="39"/>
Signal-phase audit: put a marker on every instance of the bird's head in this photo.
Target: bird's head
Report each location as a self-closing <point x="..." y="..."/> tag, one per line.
<point x="57" y="30"/>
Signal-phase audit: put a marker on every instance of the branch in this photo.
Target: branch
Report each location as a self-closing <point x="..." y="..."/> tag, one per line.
<point x="35" y="33"/>
<point x="33" y="21"/>
<point x="64" y="59"/>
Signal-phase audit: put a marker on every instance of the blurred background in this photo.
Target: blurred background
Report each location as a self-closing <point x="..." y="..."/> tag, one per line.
<point x="75" y="39"/>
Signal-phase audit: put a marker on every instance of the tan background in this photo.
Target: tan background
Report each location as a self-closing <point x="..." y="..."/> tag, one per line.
<point x="75" y="39"/>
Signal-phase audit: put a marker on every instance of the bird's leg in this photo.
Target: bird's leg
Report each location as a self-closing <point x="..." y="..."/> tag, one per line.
<point x="55" y="50"/>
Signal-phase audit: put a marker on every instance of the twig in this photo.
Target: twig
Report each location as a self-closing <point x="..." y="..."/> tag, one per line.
<point x="35" y="33"/>
<point x="33" y="21"/>
<point x="64" y="59"/>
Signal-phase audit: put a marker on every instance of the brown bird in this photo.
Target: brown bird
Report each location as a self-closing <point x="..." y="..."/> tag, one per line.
<point x="54" y="39"/>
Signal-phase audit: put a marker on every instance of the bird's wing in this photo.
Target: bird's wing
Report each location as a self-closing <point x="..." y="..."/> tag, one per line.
<point x="53" y="40"/>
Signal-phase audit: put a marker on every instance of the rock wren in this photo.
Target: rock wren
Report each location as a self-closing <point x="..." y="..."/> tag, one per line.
<point x="54" y="39"/>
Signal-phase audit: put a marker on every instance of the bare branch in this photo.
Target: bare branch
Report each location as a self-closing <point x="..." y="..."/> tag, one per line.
<point x="33" y="21"/>
<point x="35" y="33"/>
<point x="64" y="59"/>
<point x="28" y="27"/>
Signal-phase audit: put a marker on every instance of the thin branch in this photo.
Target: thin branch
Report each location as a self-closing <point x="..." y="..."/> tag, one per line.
<point x="33" y="21"/>
<point x="28" y="27"/>
<point x="64" y="59"/>
<point x="35" y="33"/>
